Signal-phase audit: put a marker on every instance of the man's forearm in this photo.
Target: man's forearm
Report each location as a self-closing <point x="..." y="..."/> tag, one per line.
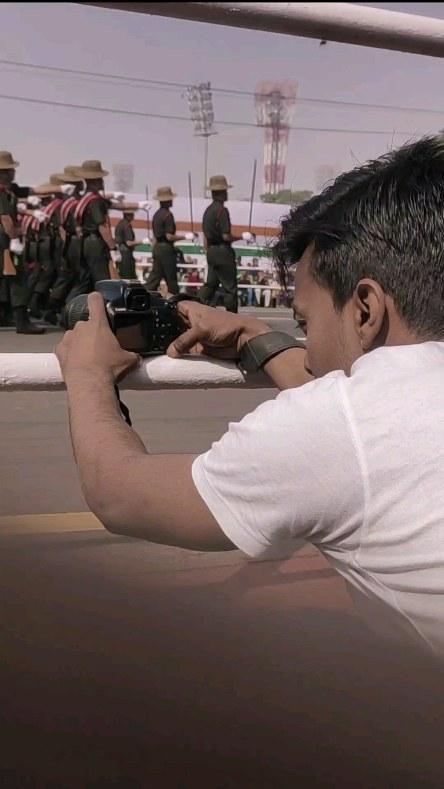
<point x="8" y="226"/>
<point x="107" y="236"/>
<point x="102" y="442"/>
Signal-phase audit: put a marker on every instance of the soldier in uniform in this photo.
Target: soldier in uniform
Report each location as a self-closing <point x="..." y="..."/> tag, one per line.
<point x="48" y="248"/>
<point x="126" y="240"/>
<point x="13" y="281"/>
<point x="100" y="256"/>
<point x="164" y="253"/>
<point x="68" y="252"/>
<point x="99" y="249"/>
<point x="218" y="238"/>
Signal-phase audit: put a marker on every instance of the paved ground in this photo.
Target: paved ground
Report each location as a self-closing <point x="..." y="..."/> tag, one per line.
<point x="126" y="664"/>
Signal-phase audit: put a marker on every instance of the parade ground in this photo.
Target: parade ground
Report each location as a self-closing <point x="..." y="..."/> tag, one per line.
<point x="130" y="664"/>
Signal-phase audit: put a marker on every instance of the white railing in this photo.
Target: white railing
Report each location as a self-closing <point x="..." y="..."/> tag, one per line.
<point x="347" y="23"/>
<point x="41" y="371"/>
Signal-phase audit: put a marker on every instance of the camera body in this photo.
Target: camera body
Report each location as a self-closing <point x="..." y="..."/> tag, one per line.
<point x="142" y="320"/>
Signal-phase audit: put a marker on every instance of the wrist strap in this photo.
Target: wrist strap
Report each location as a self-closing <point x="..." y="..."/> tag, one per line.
<point x="257" y="352"/>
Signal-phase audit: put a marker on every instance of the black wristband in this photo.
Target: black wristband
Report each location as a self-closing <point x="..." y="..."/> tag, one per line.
<point x="258" y="351"/>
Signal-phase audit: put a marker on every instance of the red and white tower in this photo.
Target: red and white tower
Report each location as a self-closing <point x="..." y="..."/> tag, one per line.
<point x="275" y="103"/>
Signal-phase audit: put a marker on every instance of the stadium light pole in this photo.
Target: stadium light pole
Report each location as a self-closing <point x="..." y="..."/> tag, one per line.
<point x="200" y="104"/>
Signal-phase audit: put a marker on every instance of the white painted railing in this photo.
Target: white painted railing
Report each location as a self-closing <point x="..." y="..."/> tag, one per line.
<point x="348" y="23"/>
<point x="41" y="371"/>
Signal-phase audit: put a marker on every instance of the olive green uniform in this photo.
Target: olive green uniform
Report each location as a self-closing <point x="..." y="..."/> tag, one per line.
<point x="69" y="258"/>
<point x="49" y="253"/>
<point x="95" y="252"/>
<point x="13" y="289"/>
<point x="164" y="252"/>
<point x="220" y="257"/>
<point x="124" y="232"/>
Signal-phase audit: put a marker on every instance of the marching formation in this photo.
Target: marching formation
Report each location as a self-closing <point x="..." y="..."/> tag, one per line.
<point x="56" y="242"/>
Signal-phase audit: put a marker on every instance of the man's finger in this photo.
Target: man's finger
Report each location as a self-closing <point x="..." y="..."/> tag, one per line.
<point x="185" y="342"/>
<point x="96" y="307"/>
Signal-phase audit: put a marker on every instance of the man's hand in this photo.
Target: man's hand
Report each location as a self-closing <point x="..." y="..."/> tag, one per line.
<point x="16" y="246"/>
<point x="91" y="347"/>
<point x="115" y="256"/>
<point x="68" y="189"/>
<point x="213" y="332"/>
<point x="34" y="201"/>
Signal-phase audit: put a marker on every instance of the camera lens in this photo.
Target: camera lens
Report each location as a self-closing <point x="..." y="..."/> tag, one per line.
<point x="76" y="310"/>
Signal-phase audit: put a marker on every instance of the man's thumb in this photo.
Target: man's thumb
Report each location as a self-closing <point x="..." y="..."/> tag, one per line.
<point x="184" y="342"/>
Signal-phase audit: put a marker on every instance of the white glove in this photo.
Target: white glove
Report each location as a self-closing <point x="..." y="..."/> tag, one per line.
<point x="34" y="201"/>
<point x="22" y="208"/>
<point x="146" y="240"/>
<point x="247" y="236"/>
<point x="120" y="196"/>
<point x="144" y="205"/>
<point x="40" y="215"/>
<point x="16" y="246"/>
<point x="68" y="189"/>
<point x="190" y="236"/>
<point x="115" y="256"/>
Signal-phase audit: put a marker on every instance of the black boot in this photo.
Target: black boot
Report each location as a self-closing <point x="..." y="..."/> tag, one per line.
<point x="22" y="323"/>
<point x="34" y="308"/>
<point x="6" y="317"/>
<point x="50" y="316"/>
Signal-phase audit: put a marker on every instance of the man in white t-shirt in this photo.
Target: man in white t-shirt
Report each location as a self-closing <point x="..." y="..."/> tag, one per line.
<point x="350" y="455"/>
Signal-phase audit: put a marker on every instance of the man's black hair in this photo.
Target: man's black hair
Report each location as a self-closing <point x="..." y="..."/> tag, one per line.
<point x="166" y="203"/>
<point x="383" y="220"/>
<point x="219" y="194"/>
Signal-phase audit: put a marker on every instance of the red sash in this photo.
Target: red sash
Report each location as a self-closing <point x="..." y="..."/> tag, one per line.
<point x="85" y="201"/>
<point x="28" y="223"/>
<point x="67" y="207"/>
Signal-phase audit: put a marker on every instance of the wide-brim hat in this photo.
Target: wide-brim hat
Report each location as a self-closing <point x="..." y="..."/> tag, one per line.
<point x="6" y="161"/>
<point x="54" y="181"/>
<point x="70" y="174"/>
<point x="218" y="183"/>
<point x="91" y="169"/>
<point x="164" y="193"/>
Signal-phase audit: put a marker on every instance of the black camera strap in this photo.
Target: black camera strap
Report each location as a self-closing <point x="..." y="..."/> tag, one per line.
<point x="123" y="408"/>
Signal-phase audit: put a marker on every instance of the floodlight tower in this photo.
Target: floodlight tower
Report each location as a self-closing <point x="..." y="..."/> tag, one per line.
<point x="200" y="104"/>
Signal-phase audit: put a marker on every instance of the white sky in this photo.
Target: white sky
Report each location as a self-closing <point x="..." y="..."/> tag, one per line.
<point x="68" y="35"/>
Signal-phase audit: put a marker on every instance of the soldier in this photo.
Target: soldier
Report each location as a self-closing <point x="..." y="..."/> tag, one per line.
<point x="164" y="253"/>
<point x="99" y="251"/>
<point x="218" y="238"/>
<point x="100" y="255"/>
<point x="13" y="279"/>
<point x="48" y="248"/>
<point x="126" y="240"/>
<point x="68" y="254"/>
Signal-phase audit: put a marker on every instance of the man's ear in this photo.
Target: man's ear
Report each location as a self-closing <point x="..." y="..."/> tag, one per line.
<point x="370" y="311"/>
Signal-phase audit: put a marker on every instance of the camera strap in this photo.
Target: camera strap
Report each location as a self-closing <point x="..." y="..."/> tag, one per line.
<point x="123" y="408"/>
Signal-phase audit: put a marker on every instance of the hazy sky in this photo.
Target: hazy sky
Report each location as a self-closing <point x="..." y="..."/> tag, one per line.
<point x="67" y="35"/>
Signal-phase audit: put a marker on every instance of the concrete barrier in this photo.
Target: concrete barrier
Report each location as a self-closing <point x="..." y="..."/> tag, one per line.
<point x="41" y="372"/>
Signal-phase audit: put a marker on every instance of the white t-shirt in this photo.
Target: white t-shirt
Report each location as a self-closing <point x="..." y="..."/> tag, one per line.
<point x="354" y="465"/>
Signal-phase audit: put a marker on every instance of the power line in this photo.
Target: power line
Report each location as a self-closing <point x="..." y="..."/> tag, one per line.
<point x="243" y="124"/>
<point x="142" y="81"/>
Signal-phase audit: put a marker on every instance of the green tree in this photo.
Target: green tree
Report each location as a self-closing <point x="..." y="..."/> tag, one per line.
<point x="287" y="197"/>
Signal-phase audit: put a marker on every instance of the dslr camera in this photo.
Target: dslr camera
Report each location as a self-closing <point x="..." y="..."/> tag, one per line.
<point x="142" y="320"/>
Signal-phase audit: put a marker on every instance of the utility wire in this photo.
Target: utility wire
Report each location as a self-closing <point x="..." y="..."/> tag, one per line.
<point x="141" y="81"/>
<point x="184" y="118"/>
